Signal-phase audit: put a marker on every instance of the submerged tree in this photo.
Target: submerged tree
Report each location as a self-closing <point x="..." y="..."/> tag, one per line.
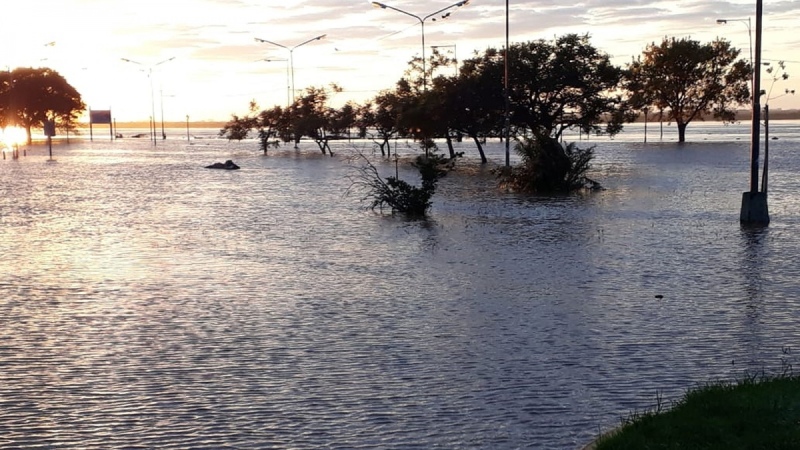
<point x="547" y="166"/>
<point x="269" y="125"/>
<point x="554" y="85"/>
<point x="239" y="128"/>
<point x="470" y="105"/>
<point x="396" y="194"/>
<point x="381" y="119"/>
<point x="311" y="116"/>
<point x="688" y="80"/>
<point x="29" y="97"/>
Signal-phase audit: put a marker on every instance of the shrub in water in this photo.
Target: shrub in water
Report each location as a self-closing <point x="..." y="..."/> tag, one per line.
<point x="549" y="167"/>
<point x="399" y="195"/>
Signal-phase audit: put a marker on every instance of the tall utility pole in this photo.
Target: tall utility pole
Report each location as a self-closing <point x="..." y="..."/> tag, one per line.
<point x="754" y="203"/>
<point x="507" y="118"/>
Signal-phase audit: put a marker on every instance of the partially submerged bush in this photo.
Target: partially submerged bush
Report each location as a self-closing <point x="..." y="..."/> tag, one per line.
<point x="399" y="195"/>
<point x="267" y="140"/>
<point x="549" y="167"/>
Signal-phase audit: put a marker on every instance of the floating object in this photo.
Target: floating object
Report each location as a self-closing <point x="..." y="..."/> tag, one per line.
<point x="659" y="296"/>
<point x="228" y="165"/>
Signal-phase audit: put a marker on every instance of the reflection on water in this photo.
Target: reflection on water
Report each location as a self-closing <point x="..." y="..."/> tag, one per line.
<point x="149" y="302"/>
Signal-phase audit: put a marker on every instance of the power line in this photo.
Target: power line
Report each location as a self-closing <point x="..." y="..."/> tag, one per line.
<point x="784" y="60"/>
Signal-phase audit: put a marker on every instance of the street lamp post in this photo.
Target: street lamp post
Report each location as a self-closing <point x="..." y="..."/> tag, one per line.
<point x="291" y="53"/>
<point x="422" y="26"/>
<point x="288" y="85"/>
<point x="149" y="71"/>
<point x="161" y="101"/>
<point x="747" y="23"/>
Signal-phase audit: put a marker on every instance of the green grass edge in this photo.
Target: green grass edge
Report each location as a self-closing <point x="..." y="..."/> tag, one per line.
<point x="756" y="412"/>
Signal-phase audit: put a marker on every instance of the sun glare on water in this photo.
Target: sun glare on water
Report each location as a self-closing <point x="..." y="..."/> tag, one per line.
<point x="11" y="136"/>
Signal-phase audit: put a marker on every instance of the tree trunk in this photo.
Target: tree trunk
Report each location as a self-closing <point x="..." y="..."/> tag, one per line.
<point x="388" y="146"/>
<point x="321" y="143"/>
<point x="480" y="148"/>
<point x="28" y="133"/>
<point x="450" y="146"/>
<point x="682" y="131"/>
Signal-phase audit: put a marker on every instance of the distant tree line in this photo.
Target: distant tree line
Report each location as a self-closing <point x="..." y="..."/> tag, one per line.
<point x="554" y="86"/>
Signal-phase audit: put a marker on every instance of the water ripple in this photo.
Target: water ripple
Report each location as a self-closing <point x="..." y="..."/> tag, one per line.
<point x="155" y="304"/>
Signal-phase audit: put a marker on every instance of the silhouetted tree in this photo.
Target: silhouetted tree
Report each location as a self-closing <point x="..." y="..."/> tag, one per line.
<point x="239" y="128"/>
<point x="311" y="116"/>
<point x="273" y="127"/>
<point x="6" y="117"/>
<point x="473" y="102"/>
<point x="31" y="96"/>
<point x="688" y="80"/>
<point x="555" y="85"/>
<point x="383" y="117"/>
<point x="344" y="119"/>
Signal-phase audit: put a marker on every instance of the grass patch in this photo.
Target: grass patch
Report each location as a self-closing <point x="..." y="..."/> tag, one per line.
<point x="757" y="412"/>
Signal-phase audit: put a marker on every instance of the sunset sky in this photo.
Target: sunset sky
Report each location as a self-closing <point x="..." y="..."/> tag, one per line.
<point x="218" y="65"/>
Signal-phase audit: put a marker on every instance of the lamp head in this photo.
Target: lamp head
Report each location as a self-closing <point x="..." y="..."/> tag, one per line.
<point x="378" y="5"/>
<point x="722" y="21"/>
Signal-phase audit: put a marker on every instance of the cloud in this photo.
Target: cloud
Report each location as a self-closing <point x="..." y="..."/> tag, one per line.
<point x="213" y="40"/>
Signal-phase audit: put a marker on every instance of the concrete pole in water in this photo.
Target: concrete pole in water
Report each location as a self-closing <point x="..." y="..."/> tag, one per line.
<point x="507" y="118"/>
<point x="754" y="203"/>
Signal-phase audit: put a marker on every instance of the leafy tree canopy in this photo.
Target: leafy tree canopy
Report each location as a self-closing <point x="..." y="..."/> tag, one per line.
<point x="31" y="96"/>
<point x="688" y="80"/>
<point x="556" y="85"/>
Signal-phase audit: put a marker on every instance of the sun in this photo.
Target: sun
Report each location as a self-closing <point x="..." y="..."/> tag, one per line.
<point x="13" y="136"/>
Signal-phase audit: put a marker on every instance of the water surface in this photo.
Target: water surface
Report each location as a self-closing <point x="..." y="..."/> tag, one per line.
<point x="148" y="302"/>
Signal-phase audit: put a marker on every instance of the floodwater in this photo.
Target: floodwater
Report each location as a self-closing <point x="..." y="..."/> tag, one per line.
<point x="147" y="302"/>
